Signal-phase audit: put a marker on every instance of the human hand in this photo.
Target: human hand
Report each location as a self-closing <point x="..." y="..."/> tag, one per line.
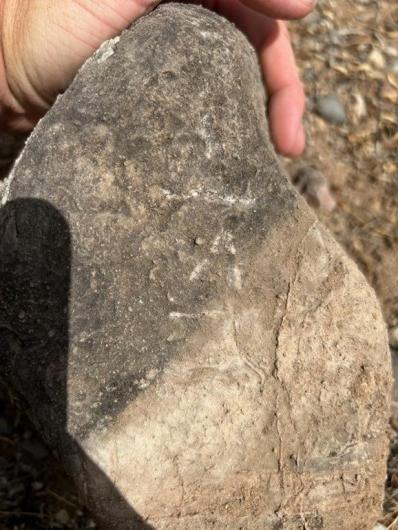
<point x="45" y="42"/>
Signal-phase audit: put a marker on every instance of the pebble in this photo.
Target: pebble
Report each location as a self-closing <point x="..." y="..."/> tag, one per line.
<point x="313" y="20"/>
<point x="359" y="106"/>
<point x="199" y="241"/>
<point x="391" y="51"/>
<point x="377" y="59"/>
<point x="393" y="337"/>
<point x="62" y="517"/>
<point x="314" y="186"/>
<point x="393" y="66"/>
<point x="331" y="109"/>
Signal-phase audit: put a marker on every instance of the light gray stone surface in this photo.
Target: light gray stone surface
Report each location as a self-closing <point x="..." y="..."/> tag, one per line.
<point x="192" y="342"/>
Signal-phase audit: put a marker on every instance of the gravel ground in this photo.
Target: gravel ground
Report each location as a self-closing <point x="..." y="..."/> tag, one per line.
<point x="348" y="55"/>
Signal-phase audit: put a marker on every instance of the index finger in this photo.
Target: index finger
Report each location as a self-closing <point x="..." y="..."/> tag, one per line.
<point x="285" y="90"/>
<point x="282" y="9"/>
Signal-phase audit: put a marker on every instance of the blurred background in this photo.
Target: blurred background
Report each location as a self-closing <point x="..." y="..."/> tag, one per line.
<point x="348" y="55"/>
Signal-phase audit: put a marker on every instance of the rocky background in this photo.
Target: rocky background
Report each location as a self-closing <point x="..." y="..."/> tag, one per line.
<point x="348" y="55"/>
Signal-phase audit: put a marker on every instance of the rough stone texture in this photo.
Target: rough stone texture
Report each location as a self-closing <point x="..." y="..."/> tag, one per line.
<point x="191" y="340"/>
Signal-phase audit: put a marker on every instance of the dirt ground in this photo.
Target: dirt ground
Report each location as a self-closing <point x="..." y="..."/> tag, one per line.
<point x="347" y="49"/>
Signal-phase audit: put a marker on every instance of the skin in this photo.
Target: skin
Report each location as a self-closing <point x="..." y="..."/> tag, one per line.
<point x="44" y="42"/>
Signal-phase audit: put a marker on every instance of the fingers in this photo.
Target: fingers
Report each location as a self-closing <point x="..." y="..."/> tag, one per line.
<point x="282" y="9"/>
<point x="286" y="103"/>
<point x="60" y="36"/>
<point x="285" y="90"/>
<point x="44" y="43"/>
<point x="102" y="19"/>
<point x="78" y="27"/>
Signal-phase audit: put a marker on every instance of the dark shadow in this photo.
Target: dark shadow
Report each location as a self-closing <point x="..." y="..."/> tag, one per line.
<point x="35" y="265"/>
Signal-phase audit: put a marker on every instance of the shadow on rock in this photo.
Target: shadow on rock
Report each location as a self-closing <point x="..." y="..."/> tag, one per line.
<point x="35" y="275"/>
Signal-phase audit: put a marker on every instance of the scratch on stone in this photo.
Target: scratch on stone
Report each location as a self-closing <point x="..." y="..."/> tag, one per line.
<point x="107" y="49"/>
<point x="276" y="368"/>
<point x="216" y="242"/>
<point x="229" y="243"/>
<point x="198" y="270"/>
<point x="180" y="478"/>
<point x="174" y="315"/>
<point x="246" y="358"/>
<point x="303" y="518"/>
<point x="235" y="277"/>
<point x="225" y="238"/>
<point x="211" y="197"/>
<point x="288" y="294"/>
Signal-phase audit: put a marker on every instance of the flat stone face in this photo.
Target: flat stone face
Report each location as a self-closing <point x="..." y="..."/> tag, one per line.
<point x="143" y="170"/>
<point x="198" y="349"/>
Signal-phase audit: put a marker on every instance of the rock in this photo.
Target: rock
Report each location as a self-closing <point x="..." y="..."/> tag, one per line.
<point x="393" y="66"/>
<point x="62" y="517"/>
<point x="377" y="59"/>
<point x="359" y="108"/>
<point x="391" y="51"/>
<point x="314" y="186"/>
<point x="393" y="337"/>
<point x="331" y="109"/>
<point x="242" y="382"/>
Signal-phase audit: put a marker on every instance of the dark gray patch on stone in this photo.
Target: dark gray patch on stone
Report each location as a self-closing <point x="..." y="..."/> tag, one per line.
<point x="147" y="150"/>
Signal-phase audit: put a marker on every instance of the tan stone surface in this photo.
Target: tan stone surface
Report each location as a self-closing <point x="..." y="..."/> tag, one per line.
<point x="220" y="362"/>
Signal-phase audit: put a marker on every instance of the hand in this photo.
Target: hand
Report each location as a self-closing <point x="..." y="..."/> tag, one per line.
<point x="45" y="42"/>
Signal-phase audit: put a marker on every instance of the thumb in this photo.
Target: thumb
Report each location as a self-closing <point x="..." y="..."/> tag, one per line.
<point x="44" y="43"/>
